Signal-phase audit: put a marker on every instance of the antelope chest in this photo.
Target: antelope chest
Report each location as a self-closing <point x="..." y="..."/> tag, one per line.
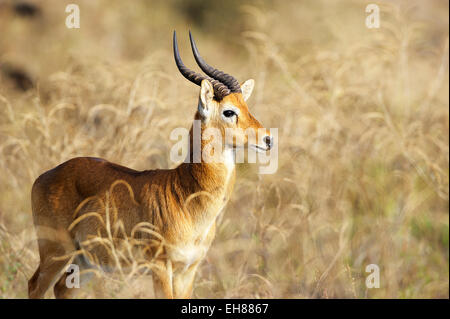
<point x="195" y="247"/>
<point x="190" y="252"/>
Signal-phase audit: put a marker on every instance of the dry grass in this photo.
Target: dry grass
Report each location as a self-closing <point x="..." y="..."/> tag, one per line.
<point x="363" y="124"/>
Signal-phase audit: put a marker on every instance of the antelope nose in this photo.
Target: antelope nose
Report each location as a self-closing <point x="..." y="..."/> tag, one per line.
<point x="269" y="141"/>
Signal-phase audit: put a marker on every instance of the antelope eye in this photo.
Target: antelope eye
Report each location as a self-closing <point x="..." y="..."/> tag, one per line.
<point x="229" y="113"/>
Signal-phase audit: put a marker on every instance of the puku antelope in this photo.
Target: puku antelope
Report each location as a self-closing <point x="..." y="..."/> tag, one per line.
<point x="165" y="198"/>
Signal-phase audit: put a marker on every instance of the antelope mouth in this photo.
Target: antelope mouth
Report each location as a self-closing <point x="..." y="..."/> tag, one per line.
<point x="259" y="149"/>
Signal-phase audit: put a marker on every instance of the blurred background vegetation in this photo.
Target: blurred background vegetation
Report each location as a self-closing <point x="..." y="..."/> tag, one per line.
<point x="363" y="123"/>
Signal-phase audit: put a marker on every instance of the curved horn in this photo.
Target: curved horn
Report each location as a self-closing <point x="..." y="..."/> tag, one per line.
<point x="227" y="79"/>
<point x="220" y="89"/>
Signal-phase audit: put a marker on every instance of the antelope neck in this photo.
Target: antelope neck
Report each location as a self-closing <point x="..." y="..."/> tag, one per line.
<point x="211" y="177"/>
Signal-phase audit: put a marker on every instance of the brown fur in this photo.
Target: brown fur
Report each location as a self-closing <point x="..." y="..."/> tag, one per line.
<point x="182" y="203"/>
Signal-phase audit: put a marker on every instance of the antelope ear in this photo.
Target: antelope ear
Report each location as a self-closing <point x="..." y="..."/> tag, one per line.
<point x="247" y="88"/>
<point x="206" y="96"/>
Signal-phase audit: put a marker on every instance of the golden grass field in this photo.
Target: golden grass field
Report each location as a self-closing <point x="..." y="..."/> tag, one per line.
<point x="362" y="117"/>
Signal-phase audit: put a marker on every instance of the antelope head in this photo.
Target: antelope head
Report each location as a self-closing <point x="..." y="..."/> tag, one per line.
<point x="222" y="104"/>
